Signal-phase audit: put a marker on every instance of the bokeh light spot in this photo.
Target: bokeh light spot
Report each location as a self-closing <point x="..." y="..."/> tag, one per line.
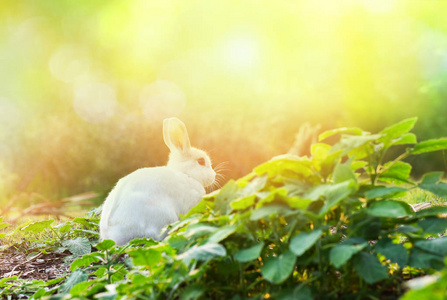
<point x="241" y="53"/>
<point x="68" y="63"/>
<point x="9" y="117"/>
<point x="433" y="54"/>
<point x="94" y="102"/>
<point x="162" y="99"/>
<point x="379" y="6"/>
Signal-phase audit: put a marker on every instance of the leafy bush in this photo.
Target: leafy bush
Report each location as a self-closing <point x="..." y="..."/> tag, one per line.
<point x="331" y="226"/>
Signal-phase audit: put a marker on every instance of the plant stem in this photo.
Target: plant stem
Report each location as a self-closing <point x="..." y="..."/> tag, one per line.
<point x="241" y="279"/>
<point x="399" y="158"/>
<point x="57" y="234"/>
<point x="321" y="267"/>
<point x="377" y="167"/>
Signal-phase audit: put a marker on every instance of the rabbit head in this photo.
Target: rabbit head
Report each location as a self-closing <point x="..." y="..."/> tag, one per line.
<point x="191" y="161"/>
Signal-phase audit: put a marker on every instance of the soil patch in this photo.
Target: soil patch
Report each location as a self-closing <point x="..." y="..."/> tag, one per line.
<point x="41" y="266"/>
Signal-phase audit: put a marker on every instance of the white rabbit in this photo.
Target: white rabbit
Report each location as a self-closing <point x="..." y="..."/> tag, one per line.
<point x="145" y="201"/>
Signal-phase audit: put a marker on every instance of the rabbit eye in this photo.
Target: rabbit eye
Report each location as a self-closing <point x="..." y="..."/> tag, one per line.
<point x="201" y="161"/>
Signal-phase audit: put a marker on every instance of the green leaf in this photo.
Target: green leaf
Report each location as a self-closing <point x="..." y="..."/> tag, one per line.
<point x="96" y="291"/>
<point x="100" y="272"/>
<point x="105" y="245"/>
<point x="177" y="241"/>
<point x="200" y="229"/>
<point x="343" y="172"/>
<point x="429" y="146"/>
<point x="408" y="138"/>
<point x="299" y="293"/>
<point x="270" y="210"/>
<point x="78" y="246"/>
<point x="344" y="130"/>
<point x="254" y="186"/>
<point x="369" y="267"/>
<point x="243" y="203"/>
<point x="80" y="288"/>
<point x="201" y="207"/>
<point x="341" y="253"/>
<point x="287" y="165"/>
<point x="394" y="252"/>
<point x="436" y="246"/>
<point x="3" y="224"/>
<point x="203" y="253"/>
<point x="90" y="232"/>
<point x="333" y="193"/>
<point x="395" y="132"/>
<point x="396" y="172"/>
<point x="187" y="220"/>
<point x="297" y="202"/>
<point x="432" y="211"/>
<point x="337" y="193"/>
<point x="117" y="271"/>
<point x="433" y="225"/>
<point x="36" y="283"/>
<point x="328" y="163"/>
<point x="74" y="278"/>
<point x="222" y="234"/>
<point x="303" y="241"/>
<point x="192" y="292"/>
<point x="145" y="257"/>
<point x="432" y="287"/>
<point x="275" y="195"/>
<point x="64" y="228"/>
<point x="385" y="192"/>
<point x="358" y="164"/>
<point x="407" y="229"/>
<point x="54" y="281"/>
<point x="249" y="254"/>
<point x="38" y="226"/>
<point x="228" y="193"/>
<point x="40" y="293"/>
<point x="390" y="209"/>
<point x="278" y="269"/>
<point x="4" y="281"/>
<point x="87" y="222"/>
<point x="423" y="259"/>
<point x="432" y="177"/>
<point x="245" y="180"/>
<point x="85" y="260"/>
<point x="349" y="142"/>
<point x="431" y="182"/>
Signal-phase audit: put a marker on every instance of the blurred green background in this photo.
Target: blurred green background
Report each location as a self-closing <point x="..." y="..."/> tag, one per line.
<point x="84" y="85"/>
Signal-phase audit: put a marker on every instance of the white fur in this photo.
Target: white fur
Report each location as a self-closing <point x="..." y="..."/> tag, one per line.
<point x="147" y="200"/>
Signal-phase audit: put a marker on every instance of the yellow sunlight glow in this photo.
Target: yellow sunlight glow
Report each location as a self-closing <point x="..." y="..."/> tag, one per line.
<point x="162" y="99"/>
<point x="241" y="53"/>
<point x="95" y="102"/>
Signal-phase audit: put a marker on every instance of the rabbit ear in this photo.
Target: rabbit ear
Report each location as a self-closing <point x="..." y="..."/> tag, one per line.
<point x="175" y="135"/>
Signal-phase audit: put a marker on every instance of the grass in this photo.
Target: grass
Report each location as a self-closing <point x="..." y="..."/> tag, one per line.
<point x="417" y="195"/>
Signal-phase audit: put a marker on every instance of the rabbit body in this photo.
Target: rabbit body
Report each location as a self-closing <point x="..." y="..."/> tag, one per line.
<point x="147" y="200"/>
<point x="140" y="205"/>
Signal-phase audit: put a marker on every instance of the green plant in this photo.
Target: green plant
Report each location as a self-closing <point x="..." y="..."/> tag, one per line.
<point x="43" y="237"/>
<point x="39" y="238"/>
<point x="15" y="286"/>
<point x="428" y="287"/>
<point x="2" y="226"/>
<point x="301" y="226"/>
<point x="327" y="227"/>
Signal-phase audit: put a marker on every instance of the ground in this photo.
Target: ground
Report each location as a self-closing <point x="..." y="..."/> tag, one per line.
<point x="40" y="266"/>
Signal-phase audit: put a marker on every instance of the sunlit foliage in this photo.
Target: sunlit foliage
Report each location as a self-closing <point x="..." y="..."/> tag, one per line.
<point x="334" y="226"/>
